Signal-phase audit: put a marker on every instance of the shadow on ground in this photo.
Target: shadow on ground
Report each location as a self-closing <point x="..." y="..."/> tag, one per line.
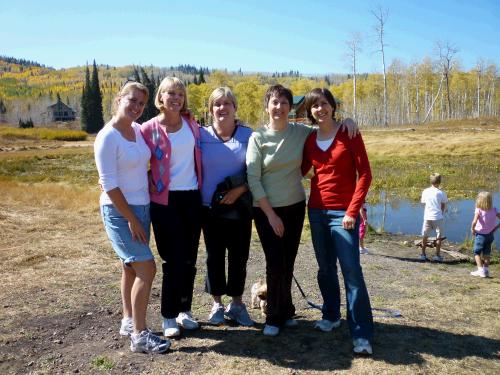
<point x="305" y="349"/>
<point x="416" y="260"/>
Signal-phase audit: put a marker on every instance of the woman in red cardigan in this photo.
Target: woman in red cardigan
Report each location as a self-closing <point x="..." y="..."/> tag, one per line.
<point x="340" y="183"/>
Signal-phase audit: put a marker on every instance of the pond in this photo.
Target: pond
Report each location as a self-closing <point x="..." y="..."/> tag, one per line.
<point x="406" y="217"/>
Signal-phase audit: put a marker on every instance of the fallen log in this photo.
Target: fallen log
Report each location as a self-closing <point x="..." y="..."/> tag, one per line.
<point x="431" y="243"/>
<point x="458" y="255"/>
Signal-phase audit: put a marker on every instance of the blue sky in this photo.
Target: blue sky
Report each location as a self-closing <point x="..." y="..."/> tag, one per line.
<point x="265" y="36"/>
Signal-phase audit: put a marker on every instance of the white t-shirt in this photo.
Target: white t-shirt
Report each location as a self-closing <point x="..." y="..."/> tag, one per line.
<point x="182" y="166"/>
<point x="323" y="145"/>
<point x="122" y="163"/>
<point x="433" y="197"/>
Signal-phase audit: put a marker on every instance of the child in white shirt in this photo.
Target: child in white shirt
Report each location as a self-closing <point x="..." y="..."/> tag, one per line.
<point x="435" y="203"/>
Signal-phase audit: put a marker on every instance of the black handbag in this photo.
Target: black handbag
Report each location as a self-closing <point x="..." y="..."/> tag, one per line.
<point x="239" y="210"/>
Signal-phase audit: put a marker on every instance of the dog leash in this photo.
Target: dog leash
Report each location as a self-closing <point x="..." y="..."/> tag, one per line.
<point x="385" y="313"/>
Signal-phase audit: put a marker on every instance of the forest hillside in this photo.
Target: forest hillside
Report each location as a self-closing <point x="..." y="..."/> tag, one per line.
<point x="416" y="93"/>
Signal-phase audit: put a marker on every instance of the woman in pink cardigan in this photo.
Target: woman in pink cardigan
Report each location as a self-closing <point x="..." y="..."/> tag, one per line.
<point x="175" y="181"/>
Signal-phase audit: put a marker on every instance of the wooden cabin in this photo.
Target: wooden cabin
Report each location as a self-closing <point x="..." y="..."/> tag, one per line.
<point x="298" y="111"/>
<point x="60" y="112"/>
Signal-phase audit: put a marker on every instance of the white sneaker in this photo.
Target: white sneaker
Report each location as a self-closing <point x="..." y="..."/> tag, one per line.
<point x="271" y="330"/>
<point x="363" y="250"/>
<point x="170" y="328"/>
<point x="239" y="314"/>
<point x="216" y="316"/>
<point x="326" y="325"/>
<point x="437" y="258"/>
<point x="479" y="273"/>
<point x="127" y="327"/>
<point x="362" y="346"/>
<point x="486" y="271"/>
<point x="291" y="323"/>
<point x="185" y="320"/>
<point x="147" y="342"/>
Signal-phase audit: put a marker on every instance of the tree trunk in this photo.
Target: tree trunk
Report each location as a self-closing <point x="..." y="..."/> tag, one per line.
<point x="432" y="104"/>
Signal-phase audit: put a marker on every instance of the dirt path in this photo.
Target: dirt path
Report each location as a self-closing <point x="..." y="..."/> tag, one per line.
<point x="60" y="310"/>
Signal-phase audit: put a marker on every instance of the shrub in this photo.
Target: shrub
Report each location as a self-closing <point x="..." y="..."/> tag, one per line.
<point x="43" y="133"/>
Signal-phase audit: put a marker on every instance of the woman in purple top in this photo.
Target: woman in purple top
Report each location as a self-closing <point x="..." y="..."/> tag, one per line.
<point x="223" y="146"/>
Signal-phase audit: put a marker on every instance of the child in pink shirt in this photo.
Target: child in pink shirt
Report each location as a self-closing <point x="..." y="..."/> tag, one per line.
<point x="483" y="226"/>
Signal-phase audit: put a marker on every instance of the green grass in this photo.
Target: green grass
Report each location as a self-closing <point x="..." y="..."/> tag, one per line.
<point x="43" y="133"/>
<point x="78" y="169"/>
<point x="103" y="363"/>
<point x="405" y="177"/>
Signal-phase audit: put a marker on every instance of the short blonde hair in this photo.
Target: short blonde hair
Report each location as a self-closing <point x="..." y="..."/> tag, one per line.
<point x="435" y="178"/>
<point x="167" y="83"/>
<point x="484" y="200"/>
<point x="221" y="92"/>
<point x="127" y="88"/>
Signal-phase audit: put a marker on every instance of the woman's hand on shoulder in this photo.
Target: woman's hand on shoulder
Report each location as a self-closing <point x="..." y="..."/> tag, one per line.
<point x="351" y="126"/>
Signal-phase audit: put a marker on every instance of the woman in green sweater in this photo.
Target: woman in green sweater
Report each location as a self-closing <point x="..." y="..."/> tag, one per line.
<point x="274" y="157"/>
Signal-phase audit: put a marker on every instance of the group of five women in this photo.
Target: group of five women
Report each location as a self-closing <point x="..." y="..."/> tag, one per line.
<point x="186" y="179"/>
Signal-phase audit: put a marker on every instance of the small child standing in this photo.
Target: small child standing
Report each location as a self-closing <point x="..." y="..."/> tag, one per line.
<point x="362" y="229"/>
<point x="435" y="203"/>
<point x="482" y="227"/>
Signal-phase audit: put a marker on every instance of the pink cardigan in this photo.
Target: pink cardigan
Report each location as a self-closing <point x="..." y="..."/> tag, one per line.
<point x="157" y="140"/>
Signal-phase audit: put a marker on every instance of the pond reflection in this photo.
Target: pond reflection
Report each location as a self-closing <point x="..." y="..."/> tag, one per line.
<point x="402" y="216"/>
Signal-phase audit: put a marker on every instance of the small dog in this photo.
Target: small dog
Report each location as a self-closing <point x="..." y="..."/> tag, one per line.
<point x="259" y="296"/>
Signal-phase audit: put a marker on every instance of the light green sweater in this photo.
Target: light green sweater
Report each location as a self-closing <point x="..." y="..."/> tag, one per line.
<point x="273" y="164"/>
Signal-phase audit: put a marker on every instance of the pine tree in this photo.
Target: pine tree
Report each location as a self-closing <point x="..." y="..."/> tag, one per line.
<point x="3" y="109"/>
<point x="137" y="76"/>
<point x="85" y="102"/>
<point x="150" y="109"/>
<point x="96" y="109"/>
<point x="201" y="78"/>
<point x="91" y="116"/>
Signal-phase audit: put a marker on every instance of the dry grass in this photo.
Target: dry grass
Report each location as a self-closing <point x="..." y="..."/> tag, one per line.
<point x="43" y="133"/>
<point x="464" y="138"/>
<point x="60" y="304"/>
<point x="55" y="255"/>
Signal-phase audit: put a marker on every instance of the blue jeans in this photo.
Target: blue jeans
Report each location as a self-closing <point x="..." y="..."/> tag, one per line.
<point x="482" y="243"/>
<point x="331" y="242"/>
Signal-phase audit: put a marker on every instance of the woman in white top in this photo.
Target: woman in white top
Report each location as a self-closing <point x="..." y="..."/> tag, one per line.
<point x="175" y="201"/>
<point x="121" y="157"/>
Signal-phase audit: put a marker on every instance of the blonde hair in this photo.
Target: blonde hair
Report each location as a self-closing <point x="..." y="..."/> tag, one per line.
<point x="168" y="83"/>
<point x="127" y="88"/>
<point x="484" y="200"/>
<point x="221" y="92"/>
<point x="435" y="178"/>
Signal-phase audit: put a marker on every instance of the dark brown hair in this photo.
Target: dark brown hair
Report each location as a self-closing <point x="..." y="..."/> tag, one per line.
<point x="314" y="95"/>
<point x="278" y="90"/>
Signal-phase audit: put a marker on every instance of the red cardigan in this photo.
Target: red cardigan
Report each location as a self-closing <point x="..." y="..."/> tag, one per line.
<point x="335" y="184"/>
